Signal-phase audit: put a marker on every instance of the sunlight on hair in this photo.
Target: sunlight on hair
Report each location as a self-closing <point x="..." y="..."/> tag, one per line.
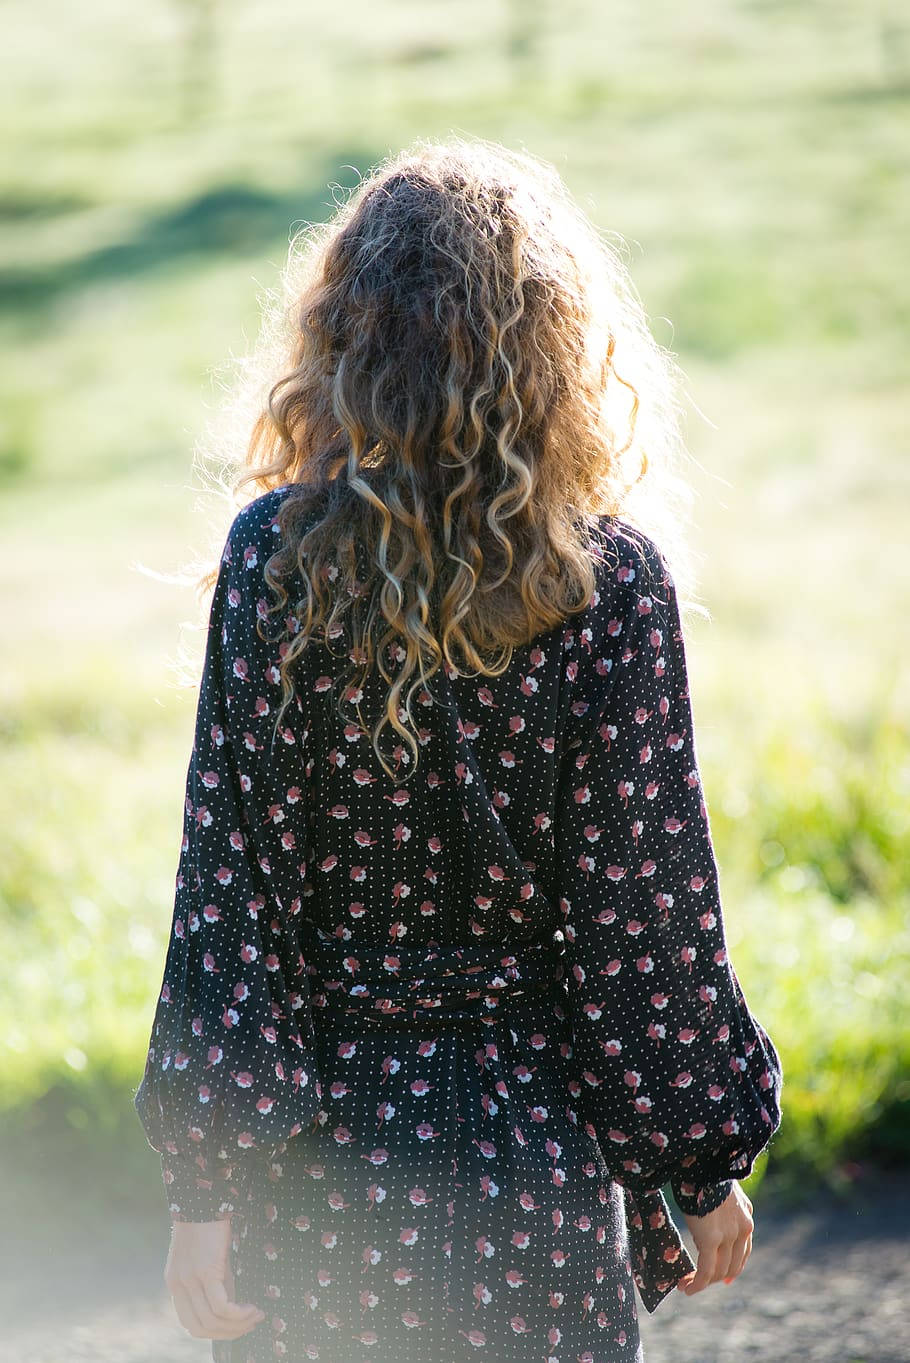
<point x="459" y="378"/>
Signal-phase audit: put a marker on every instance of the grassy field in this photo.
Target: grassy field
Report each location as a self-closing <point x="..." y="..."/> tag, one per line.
<point x="754" y="157"/>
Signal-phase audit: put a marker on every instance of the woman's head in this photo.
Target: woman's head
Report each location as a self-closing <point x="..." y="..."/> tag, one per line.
<point x="460" y="379"/>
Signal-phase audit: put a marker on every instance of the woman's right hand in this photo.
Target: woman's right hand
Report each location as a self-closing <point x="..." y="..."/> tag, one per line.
<point x="199" y="1278"/>
<point x="723" y="1240"/>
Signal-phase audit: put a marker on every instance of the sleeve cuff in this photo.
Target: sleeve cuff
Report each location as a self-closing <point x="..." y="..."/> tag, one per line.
<point x="697" y="1200"/>
<point x="194" y="1194"/>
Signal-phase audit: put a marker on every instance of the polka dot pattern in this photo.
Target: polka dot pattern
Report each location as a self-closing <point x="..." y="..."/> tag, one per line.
<point x="436" y="1046"/>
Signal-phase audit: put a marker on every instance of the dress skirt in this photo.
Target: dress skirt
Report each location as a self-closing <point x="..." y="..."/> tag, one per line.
<point x="445" y="1208"/>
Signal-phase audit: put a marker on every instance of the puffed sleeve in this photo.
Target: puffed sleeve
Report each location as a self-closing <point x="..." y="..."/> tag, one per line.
<point x="680" y="1081"/>
<point x="230" y="1071"/>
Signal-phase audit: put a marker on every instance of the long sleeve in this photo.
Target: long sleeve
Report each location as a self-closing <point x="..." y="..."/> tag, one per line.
<point x="680" y="1081"/>
<point x="230" y="1071"/>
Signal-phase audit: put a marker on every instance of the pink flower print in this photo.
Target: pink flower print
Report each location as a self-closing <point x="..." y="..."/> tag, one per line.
<point x="240" y="669"/>
<point x="475" y="1337"/>
<point x="488" y="1188"/>
<point x="384" y="1112"/>
<point x="708" y="994"/>
<point x="586" y="864"/>
<point x="210" y="780"/>
<point x="489" y="1105"/>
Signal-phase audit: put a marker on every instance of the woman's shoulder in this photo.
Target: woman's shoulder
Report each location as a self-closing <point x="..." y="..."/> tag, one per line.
<point x="627" y="558"/>
<point x="257" y="517"/>
<point x="254" y="533"/>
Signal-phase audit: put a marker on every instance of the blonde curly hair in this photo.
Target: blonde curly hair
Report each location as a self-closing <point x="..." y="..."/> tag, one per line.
<point x="458" y="378"/>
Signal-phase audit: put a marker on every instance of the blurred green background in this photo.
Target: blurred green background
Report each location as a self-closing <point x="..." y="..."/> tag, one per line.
<point x="754" y="156"/>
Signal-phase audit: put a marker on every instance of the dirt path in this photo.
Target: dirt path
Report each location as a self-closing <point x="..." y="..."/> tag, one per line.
<point x="827" y="1284"/>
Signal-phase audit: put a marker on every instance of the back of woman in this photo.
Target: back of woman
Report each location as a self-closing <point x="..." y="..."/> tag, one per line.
<point x="447" y="1000"/>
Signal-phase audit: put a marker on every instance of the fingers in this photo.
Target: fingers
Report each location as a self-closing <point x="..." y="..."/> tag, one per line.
<point x="212" y="1327"/>
<point x="200" y="1317"/>
<point x="723" y="1238"/>
<point x="199" y="1278"/>
<point x="718" y="1261"/>
<point x="741" y="1252"/>
<point x="186" y="1312"/>
<point x="706" y="1268"/>
<point x="223" y="1308"/>
<point x="725" y="1260"/>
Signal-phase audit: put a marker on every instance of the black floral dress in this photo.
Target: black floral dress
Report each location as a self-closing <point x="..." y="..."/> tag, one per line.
<point x="436" y="1047"/>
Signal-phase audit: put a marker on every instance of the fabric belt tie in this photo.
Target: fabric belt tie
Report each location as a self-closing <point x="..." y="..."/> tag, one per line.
<point x="436" y="986"/>
<point x="429" y="984"/>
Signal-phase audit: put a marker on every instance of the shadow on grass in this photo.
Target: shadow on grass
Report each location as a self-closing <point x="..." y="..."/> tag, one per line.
<point x="229" y="219"/>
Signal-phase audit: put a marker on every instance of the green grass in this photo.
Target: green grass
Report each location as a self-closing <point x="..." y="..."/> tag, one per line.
<point x="753" y="156"/>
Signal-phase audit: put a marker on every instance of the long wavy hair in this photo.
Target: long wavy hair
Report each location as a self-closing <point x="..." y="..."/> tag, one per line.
<point x="458" y="379"/>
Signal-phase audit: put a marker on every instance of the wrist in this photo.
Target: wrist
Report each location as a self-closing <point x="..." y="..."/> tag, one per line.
<point x="698" y="1199"/>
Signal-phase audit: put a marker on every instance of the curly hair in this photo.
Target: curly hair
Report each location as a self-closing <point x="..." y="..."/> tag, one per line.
<point x="460" y="381"/>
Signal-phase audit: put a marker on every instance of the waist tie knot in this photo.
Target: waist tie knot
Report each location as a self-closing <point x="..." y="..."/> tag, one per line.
<point x="430" y="984"/>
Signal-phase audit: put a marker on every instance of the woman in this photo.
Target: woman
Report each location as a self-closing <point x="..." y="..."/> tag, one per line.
<point x="447" y="999"/>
